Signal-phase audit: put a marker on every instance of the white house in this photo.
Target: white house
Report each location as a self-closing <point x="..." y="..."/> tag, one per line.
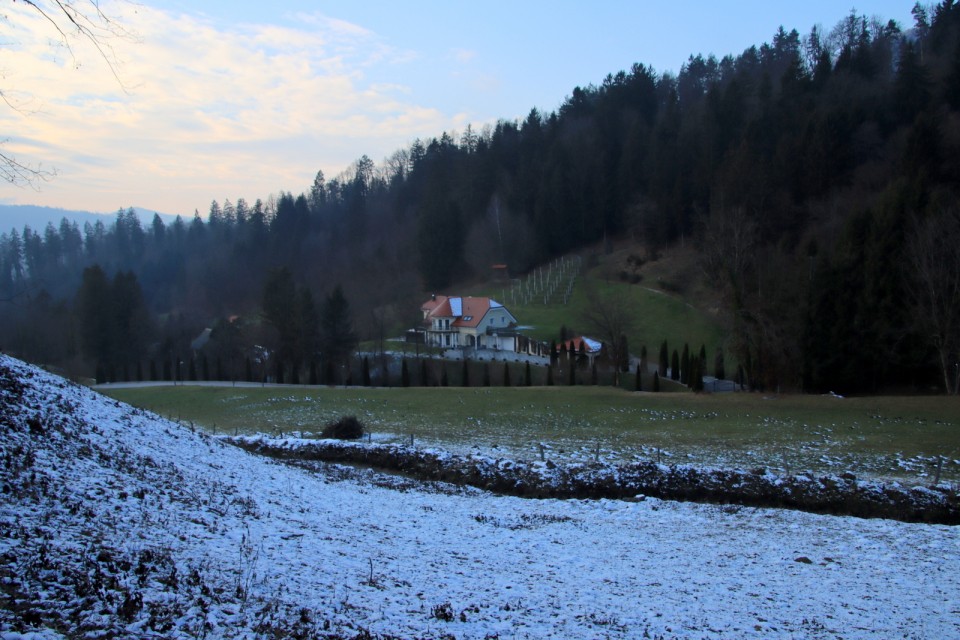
<point x="467" y="322"/>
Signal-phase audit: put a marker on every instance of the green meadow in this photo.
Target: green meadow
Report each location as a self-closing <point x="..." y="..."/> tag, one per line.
<point x="910" y="439"/>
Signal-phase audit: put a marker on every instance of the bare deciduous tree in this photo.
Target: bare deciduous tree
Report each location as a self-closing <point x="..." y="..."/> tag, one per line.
<point x="70" y="22"/>
<point x="934" y="253"/>
<point x="609" y="315"/>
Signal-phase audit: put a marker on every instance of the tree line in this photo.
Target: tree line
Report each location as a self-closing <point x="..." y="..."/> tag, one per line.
<point x="805" y="170"/>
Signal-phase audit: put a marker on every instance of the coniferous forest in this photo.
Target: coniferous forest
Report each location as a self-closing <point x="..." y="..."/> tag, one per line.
<point x="818" y="176"/>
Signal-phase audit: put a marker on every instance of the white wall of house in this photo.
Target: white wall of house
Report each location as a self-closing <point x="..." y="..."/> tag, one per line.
<point x="443" y="333"/>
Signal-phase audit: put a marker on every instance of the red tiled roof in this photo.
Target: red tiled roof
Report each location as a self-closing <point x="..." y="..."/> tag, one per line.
<point x="467" y="312"/>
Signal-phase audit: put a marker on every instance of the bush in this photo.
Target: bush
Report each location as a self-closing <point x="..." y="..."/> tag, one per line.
<point x="346" y="428"/>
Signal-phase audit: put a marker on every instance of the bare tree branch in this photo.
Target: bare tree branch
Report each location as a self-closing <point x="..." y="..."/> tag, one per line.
<point x="69" y="19"/>
<point x="934" y="253"/>
<point x="17" y="173"/>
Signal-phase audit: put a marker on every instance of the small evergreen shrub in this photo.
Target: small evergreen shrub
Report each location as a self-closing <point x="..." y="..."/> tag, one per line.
<point x="346" y="428"/>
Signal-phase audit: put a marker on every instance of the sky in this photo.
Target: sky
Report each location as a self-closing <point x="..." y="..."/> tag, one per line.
<point x="224" y="99"/>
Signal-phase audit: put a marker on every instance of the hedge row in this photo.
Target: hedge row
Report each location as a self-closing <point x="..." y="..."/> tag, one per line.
<point x="839" y="495"/>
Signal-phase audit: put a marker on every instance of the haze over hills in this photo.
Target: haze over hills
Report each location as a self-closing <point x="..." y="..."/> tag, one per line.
<point x="16" y="216"/>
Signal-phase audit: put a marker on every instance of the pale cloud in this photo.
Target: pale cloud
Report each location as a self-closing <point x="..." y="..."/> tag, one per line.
<point x="464" y="55"/>
<point x="207" y="112"/>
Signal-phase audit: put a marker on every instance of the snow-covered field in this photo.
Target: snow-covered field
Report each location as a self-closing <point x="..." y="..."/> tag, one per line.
<point x="115" y="522"/>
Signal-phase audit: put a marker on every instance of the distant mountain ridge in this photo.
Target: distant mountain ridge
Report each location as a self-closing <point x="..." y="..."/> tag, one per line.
<point x="16" y="216"/>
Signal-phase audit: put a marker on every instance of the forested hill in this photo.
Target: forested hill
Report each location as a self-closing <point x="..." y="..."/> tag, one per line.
<point x="809" y="170"/>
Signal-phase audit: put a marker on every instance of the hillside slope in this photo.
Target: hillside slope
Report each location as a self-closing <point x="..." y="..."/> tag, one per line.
<point x="115" y="522"/>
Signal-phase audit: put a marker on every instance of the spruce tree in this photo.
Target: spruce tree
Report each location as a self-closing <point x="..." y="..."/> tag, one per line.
<point x="623" y="354"/>
<point x="685" y="366"/>
<point x="365" y="371"/>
